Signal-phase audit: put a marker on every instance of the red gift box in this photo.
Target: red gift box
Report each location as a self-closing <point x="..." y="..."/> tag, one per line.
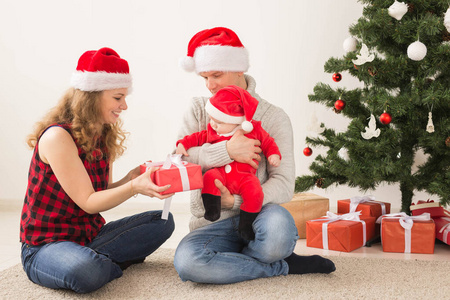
<point x="408" y="234"/>
<point x="443" y="229"/>
<point x="340" y="232"/>
<point x="434" y="208"/>
<point x="181" y="175"/>
<point x="366" y="204"/>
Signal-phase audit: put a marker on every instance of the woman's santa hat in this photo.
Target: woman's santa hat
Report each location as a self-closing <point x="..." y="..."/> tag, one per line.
<point x="100" y="70"/>
<point x="233" y="105"/>
<point x="216" y="49"/>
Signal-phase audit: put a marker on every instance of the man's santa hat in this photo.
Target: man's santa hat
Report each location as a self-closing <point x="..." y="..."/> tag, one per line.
<point x="216" y="49"/>
<point x="100" y="70"/>
<point x="233" y="105"/>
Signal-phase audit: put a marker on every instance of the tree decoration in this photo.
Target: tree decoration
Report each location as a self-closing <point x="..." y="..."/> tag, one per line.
<point x="371" y="130"/>
<point x="417" y="51"/>
<point x="397" y="10"/>
<point x="350" y="44"/>
<point x="430" y="126"/>
<point x="337" y="77"/>
<point x="319" y="182"/>
<point x="447" y="19"/>
<point x="307" y="151"/>
<point x="385" y="118"/>
<point x="364" y="56"/>
<point x="343" y="153"/>
<point x="314" y="125"/>
<point x="339" y="104"/>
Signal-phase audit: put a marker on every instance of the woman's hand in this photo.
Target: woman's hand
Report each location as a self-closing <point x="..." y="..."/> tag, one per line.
<point x="144" y="185"/>
<point x="244" y="150"/>
<point x="227" y="199"/>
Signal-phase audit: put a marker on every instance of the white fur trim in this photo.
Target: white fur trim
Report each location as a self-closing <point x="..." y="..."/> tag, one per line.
<point x="221" y="58"/>
<point x="100" y="81"/>
<point x="221" y="116"/>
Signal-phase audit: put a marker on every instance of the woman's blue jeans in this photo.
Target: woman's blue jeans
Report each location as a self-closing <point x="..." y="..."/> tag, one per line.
<point x="83" y="269"/>
<point x="217" y="254"/>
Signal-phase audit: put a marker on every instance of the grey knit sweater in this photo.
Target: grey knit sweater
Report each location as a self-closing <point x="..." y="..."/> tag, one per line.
<point x="277" y="182"/>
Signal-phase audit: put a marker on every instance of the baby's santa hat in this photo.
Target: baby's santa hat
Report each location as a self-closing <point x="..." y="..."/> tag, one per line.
<point x="216" y="49"/>
<point x="233" y="105"/>
<point x="100" y="70"/>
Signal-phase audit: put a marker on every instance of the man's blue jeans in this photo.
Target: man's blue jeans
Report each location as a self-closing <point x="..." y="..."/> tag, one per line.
<point x="217" y="254"/>
<point x="83" y="269"/>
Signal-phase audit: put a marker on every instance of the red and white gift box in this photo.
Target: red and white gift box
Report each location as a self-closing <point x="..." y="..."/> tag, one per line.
<point x="407" y="234"/>
<point x="181" y="175"/>
<point x="443" y="229"/>
<point x="340" y="232"/>
<point x="366" y="204"/>
<point x="434" y="208"/>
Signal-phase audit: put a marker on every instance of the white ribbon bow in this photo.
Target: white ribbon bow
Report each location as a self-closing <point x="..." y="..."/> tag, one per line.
<point x="172" y="159"/>
<point x="407" y="223"/>
<point x="332" y="217"/>
<point x="355" y="201"/>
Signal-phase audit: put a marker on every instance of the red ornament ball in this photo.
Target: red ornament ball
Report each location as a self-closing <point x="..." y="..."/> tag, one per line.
<point x="337" y="77"/>
<point x="307" y="151"/>
<point x="339" y="104"/>
<point x="385" y="118"/>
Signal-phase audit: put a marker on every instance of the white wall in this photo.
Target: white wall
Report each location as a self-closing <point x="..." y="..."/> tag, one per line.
<point x="289" y="42"/>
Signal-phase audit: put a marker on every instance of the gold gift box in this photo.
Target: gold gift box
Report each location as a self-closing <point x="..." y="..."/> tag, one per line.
<point x="304" y="207"/>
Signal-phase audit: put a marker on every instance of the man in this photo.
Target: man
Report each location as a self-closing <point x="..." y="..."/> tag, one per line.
<point x="215" y="252"/>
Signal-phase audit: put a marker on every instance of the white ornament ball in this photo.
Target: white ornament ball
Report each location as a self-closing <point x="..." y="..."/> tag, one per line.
<point x="397" y="10"/>
<point x="350" y="44"/>
<point x="417" y="51"/>
<point x="447" y="19"/>
<point x="247" y="126"/>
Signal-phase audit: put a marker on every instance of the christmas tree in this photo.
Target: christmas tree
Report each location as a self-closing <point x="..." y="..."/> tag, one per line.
<point x="401" y="54"/>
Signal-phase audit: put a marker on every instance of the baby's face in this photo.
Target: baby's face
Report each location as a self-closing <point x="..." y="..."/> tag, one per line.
<point x="220" y="127"/>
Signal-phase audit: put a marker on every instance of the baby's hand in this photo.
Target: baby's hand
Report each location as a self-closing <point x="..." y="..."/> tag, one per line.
<point x="274" y="160"/>
<point x="181" y="150"/>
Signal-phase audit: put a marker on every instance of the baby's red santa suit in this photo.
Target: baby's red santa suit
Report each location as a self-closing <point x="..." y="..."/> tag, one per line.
<point x="233" y="105"/>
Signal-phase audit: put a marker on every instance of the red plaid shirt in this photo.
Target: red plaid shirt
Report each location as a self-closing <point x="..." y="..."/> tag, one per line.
<point x="49" y="214"/>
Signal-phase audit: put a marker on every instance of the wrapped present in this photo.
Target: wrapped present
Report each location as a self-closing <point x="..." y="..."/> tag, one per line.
<point x="304" y="207"/>
<point x="345" y="232"/>
<point x="366" y="204"/>
<point x="181" y="175"/>
<point x="443" y="229"/>
<point x="407" y="234"/>
<point x="433" y="208"/>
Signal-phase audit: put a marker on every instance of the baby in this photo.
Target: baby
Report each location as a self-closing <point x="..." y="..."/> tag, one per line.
<point x="230" y="109"/>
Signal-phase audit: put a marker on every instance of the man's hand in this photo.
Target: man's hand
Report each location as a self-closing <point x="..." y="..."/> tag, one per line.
<point x="227" y="199"/>
<point x="244" y="150"/>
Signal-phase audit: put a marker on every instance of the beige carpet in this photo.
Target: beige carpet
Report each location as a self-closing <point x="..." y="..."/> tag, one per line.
<point x="156" y="278"/>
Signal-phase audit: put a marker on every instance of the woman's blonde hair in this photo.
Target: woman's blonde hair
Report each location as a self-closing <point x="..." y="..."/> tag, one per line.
<point x="82" y="111"/>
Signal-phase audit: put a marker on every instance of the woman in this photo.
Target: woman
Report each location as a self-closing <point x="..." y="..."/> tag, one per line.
<point x="65" y="241"/>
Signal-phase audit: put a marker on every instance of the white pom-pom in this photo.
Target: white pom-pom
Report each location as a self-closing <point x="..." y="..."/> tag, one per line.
<point x="247" y="126"/>
<point x="187" y="63"/>
<point x="350" y="44"/>
<point x="447" y="19"/>
<point x="398" y="10"/>
<point x="343" y="153"/>
<point x="417" y="51"/>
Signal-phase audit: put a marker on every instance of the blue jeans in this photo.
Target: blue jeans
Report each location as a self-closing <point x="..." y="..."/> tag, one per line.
<point x="83" y="269"/>
<point x="217" y="254"/>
